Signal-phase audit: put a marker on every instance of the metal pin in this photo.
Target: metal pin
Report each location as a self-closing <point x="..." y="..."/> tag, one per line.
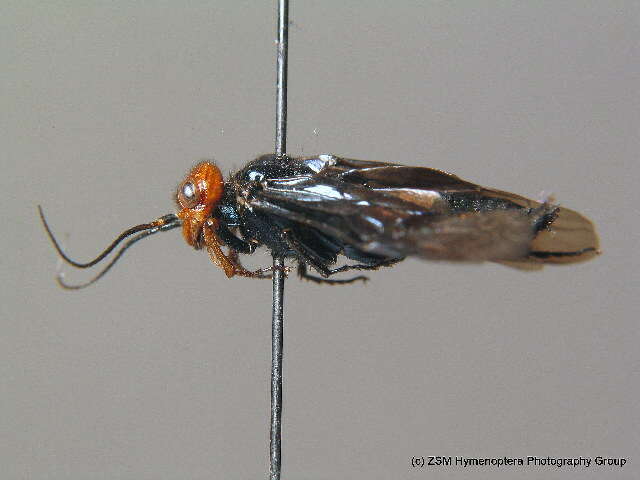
<point x="281" y="77"/>
<point x="278" y="262"/>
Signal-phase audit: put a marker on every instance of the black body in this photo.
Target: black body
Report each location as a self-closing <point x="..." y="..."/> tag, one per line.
<point x="317" y="208"/>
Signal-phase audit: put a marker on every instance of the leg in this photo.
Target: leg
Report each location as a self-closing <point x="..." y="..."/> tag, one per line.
<point x="367" y="266"/>
<point x="264" y="272"/>
<point x="302" y="273"/>
<point x="307" y="256"/>
<point x="228" y="263"/>
<point x="233" y="241"/>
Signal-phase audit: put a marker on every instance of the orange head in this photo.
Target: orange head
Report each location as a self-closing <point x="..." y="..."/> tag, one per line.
<point x="197" y="196"/>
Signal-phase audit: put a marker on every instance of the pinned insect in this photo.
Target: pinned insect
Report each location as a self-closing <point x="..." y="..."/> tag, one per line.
<point x="316" y="209"/>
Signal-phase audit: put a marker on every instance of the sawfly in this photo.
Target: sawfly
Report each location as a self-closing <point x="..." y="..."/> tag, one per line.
<point x="317" y="210"/>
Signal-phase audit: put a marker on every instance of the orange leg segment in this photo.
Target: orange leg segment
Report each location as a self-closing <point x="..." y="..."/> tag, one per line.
<point x="229" y="263"/>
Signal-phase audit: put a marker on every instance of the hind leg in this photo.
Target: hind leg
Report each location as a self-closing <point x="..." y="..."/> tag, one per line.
<point x="307" y="256"/>
<point x="302" y="273"/>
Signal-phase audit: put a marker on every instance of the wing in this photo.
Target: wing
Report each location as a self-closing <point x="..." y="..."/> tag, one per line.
<point x="395" y="211"/>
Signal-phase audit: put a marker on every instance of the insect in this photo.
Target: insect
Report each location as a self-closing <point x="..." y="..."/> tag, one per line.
<point x="318" y="209"/>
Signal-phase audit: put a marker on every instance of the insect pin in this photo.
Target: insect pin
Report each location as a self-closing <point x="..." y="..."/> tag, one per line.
<point x="320" y="209"/>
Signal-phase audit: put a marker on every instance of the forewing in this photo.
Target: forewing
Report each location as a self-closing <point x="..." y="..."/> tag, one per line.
<point x="394" y="211"/>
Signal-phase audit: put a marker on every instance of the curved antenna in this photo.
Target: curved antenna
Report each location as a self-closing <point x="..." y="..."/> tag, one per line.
<point x="124" y="248"/>
<point x="159" y="223"/>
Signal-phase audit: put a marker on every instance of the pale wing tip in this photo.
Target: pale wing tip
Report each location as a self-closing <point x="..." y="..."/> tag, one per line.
<point x="571" y="238"/>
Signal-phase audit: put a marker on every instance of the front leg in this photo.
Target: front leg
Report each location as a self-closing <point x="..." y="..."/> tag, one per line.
<point x="264" y="272"/>
<point x="230" y="262"/>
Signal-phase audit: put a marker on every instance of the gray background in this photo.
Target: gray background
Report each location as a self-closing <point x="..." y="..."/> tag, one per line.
<point x="161" y="371"/>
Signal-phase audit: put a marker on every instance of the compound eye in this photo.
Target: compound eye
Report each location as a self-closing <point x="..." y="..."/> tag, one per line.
<point x="188" y="195"/>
